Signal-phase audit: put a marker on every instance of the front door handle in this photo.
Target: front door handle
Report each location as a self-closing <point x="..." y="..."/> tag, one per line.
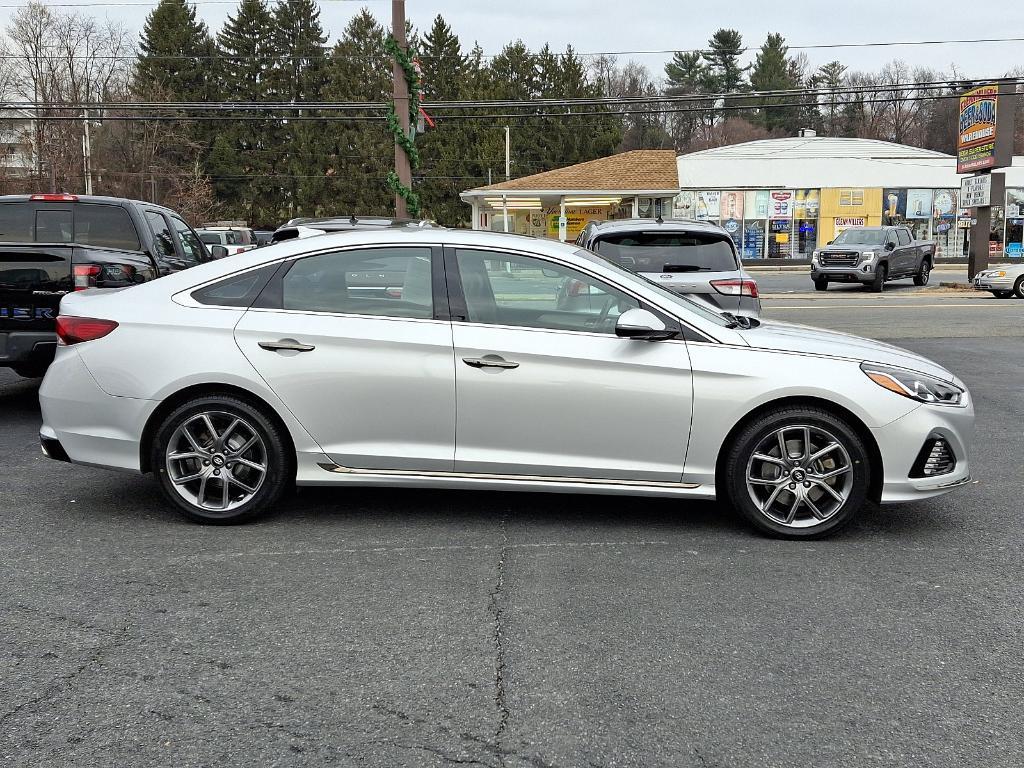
<point x="286" y="345"/>
<point x="489" y="362"/>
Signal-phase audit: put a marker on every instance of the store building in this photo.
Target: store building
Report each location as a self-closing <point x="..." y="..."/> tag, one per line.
<point x="643" y="182"/>
<point x="779" y="198"/>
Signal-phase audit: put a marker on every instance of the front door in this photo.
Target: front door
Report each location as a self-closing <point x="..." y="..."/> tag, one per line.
<point x="354" y="344"/>
<point x="546" y="388"/>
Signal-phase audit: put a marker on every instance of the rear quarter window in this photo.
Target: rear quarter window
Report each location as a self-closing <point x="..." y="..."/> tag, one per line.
<point x="237" y="290"/>
<point x="16" y="222"/>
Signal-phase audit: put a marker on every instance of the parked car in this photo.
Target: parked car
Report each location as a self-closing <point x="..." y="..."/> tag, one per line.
<point x="234" y="239"/>
<point x="1002" y="282"/>
<point x="872" y="256"/>
<point x="691" y="258"/>
<point x="310" y="227"/>
<point x="54" y="244"/>
<point x="263" y="236"/>
<point x="233" y="381"/>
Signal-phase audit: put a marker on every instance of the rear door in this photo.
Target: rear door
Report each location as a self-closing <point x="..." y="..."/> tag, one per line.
<point x="907" y="253"/>
<point x="684" y="262"/>
<point x="366" y="368"/>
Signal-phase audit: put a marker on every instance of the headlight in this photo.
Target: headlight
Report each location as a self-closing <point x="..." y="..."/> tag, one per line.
<point x="916" y="386"/>
<point x="868" y="255"/>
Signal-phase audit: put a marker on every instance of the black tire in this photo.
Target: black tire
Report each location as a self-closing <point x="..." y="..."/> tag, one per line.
<point x="1018" y="287"/>
<point x="821" y="284"/>
<point x="921" y="278"/>
<point x="1002" y="294"/>
<point x="741" y="455"/>
<point x="277" y="479"/>
<point x="878" y="284"/>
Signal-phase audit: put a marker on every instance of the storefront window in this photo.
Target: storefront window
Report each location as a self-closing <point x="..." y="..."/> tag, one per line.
<point x="995" y="237"/>
<point x="944" y="230"/>
<point x="1014" y="243"/>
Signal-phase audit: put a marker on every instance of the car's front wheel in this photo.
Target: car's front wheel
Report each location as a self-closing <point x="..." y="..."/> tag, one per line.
<point x="878" y="284"/>
<point x="821" y="284"/>
<point x="219" y="459"/>
<point x="1018" y="287"/>
<point x="797" y="472"/>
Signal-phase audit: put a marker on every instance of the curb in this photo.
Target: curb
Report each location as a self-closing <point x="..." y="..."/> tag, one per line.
<point x="961" y="286"/>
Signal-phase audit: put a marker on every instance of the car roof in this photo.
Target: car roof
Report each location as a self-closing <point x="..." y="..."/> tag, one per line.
<point x="352" y="222"/>
<point x="101" y="199"/>
<point x="674" y="225"/>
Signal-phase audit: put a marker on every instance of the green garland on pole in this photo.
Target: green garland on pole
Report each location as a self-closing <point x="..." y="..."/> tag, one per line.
<point x="405" y="141"/>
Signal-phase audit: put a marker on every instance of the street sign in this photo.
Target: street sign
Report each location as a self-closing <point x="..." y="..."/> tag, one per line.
<point x="976" y="191"/>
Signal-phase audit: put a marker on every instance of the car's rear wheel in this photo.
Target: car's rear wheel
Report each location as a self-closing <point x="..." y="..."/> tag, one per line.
<point x="219" y="459"/>
<point x="798" y="473"/>
<point x="1018" y="287"/>
<point x="922" y="277"/>
<point x="821" y="284"/>
<point x="878" y="283"/>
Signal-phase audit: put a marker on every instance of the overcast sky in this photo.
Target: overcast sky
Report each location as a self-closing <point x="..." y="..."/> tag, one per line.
<point x="624" y="25"/>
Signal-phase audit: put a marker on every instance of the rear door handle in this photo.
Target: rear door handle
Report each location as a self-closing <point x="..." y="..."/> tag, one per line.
<point x="286" y="345"/>
<point x="489" y="362"/>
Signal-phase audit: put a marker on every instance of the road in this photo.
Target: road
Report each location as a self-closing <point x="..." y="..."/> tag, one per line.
<point x="800" y="281"/>
<point x="401" y="628"/>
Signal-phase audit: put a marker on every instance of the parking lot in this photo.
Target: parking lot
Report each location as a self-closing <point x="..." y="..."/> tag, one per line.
<point x="427" y="628"/>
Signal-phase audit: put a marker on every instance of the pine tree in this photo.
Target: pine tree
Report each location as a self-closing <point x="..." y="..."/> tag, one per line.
<point x="176" y="54"/>
<point x="772" y="72"/>
<point x="360" y="70"/>
<point x="299" y="75"/>
<point x="446" y="151"/>
<point x="247" y="147"/>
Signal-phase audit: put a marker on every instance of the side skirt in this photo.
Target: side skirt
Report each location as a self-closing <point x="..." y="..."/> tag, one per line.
<point x="337" y="475"/>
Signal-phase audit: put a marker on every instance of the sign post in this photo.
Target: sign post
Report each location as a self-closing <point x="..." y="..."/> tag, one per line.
<point x="984" y="142"/>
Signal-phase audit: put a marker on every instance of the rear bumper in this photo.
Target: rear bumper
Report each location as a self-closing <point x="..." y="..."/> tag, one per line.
<point x="85" y="425"/>
<point x="27" y="347"/>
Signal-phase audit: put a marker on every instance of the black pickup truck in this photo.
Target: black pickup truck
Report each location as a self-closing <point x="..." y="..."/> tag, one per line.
<point x="54" y="244"/>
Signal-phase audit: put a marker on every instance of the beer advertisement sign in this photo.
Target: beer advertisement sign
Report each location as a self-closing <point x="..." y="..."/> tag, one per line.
<point x="984" y="133"/>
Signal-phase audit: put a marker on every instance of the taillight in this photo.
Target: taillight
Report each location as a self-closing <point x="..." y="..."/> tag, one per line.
<point x="736" y="287"/>
<point x="74" y="330"/>
<point x="85" y="276"/>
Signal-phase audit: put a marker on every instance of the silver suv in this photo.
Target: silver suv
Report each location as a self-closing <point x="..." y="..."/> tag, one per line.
<point x="693" y="258"/>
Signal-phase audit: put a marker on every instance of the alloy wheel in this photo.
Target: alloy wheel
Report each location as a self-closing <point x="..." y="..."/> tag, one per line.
<point x="216" y="461"/>
<point x="799" y="476"/>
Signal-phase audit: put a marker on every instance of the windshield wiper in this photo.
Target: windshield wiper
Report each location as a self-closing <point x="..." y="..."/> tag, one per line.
<point x="685" y="268"/>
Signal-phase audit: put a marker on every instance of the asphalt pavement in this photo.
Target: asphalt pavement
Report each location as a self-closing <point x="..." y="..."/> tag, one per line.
<point x="413" y="628"/>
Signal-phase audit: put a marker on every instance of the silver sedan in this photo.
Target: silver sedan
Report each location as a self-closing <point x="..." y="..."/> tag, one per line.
<point x="452" y="359"/>
<point x="1002" y="282"/>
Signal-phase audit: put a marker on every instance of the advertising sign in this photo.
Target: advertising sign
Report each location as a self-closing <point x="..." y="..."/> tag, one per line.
<point x="945" y="203"/>
<point x="845" y="222"/>
<point x="919" y="203"/>
<point x="985" y="127"/>
<point x="976" y="191"/>
<point x="708" y="204"/>
<point x="731" y="205"/>
<point x="1014" y="203"/>
<point x="894" y="205"/>
<point x="684" y="206"/>
<point x="780" y="204"/>
<point x="806" y="204"/>
<point x="779" y="225"/>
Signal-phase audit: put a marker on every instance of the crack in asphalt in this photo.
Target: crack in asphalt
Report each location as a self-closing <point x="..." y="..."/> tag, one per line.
<point x="497" y="614"/>
<point x="59" y="683"/>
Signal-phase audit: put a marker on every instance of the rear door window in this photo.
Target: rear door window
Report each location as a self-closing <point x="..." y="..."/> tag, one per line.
<point x="54" y="226"/>
<point x="904" y="236"/>
<point x="16" y="222"/>
<point x="106" y="226"/>
<point x="668" y="251"/>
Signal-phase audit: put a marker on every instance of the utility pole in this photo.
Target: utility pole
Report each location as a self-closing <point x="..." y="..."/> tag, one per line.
<point x="401" y="96"/>
<point x="508" y="156"/>
<point x="87" y="153"/>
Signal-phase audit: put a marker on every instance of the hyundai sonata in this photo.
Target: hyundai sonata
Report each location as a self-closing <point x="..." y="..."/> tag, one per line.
<point x="436" y="358"/>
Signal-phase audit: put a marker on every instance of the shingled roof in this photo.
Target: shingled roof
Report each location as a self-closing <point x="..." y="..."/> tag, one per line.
<point x="638" y="170"/>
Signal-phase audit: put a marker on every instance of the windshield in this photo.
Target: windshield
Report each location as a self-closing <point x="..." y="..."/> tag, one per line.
<point x="860" y="237"/>
<point x="668" y="251"/>
<point x="684" y="303"/>
<point x="210" y="238"/>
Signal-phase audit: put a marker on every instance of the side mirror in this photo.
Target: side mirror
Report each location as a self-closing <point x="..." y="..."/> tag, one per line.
<point x="890" y="246"/>
<point x="218" y="251"/>
<point x="641" y="324"/>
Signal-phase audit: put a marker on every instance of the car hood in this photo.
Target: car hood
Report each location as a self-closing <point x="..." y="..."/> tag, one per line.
<point x="788" y="337"/>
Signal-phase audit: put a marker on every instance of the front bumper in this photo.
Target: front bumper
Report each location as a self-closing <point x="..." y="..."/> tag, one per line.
<point x="982" y="283"/>
<point x="861" y="273"/>
<point x="900" y="444"/>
